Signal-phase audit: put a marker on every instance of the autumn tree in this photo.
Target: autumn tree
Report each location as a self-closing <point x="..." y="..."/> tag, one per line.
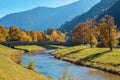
<point x="54" y="35"/>
<point x="80" y="33"/>
<point x="91" y="32"/>
<point x="62" y="36"/>
<point x="40" y="36"/>
<point x="3" y="33"/>
<point x="83" y="33"/>
<point x="16" y="34"/>
<point x="108" y="31"/>
<point x="48" y="38"/>
<point x="33" y="35"/>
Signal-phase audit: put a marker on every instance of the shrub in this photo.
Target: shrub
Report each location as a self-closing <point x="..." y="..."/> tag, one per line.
<point x="31" y="65"/>
<point x="66" y="75"/>
<point x="19" y="61"/>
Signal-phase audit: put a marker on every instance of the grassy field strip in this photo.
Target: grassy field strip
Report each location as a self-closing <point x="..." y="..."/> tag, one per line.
<point x="100" y="58"/>
<point x="31" y="48"/>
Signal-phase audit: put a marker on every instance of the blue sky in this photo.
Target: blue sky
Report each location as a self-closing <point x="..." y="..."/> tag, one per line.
<point x="12" y="6"/>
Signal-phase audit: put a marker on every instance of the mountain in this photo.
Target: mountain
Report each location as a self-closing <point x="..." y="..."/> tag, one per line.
<point x="41" y="18"/>
<point x="94" y="11"/>
<point x="113" y="11"/>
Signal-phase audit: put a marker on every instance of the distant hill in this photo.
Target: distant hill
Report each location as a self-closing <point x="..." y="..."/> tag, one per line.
<point x="94" y="11"/>
<point x="114" y="11"/>
<point x="42" y="17"/>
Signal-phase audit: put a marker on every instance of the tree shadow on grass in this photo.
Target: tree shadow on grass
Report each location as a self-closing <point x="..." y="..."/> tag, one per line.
<point x="74" y="52"/>
<point x="93" y="56"/>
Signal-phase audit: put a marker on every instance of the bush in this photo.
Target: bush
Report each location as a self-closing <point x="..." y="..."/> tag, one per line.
<point x="66" y="75"/>
<point x="31" y="65"/>
<point x="19" y="61"/>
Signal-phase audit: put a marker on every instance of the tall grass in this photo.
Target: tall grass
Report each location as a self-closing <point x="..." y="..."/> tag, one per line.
<point x="66" y="75"/>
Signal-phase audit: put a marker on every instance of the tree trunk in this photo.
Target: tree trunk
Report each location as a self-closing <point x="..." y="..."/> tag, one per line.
<point x="91" y="45"/>
<point x="111" y="48"/>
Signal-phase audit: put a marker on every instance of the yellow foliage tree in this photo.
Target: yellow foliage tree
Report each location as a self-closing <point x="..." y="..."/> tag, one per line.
<point x="3" y="33"/>
<point x="16" y="34"/>
<point x="108" y="32"/>
<point x="33" y="35"/>
<point x="40" y="36"/>
<point x="48" y="38"/>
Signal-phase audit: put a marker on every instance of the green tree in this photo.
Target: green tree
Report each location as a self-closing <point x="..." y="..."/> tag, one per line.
<point x="108" y="32"/>
<point x="50" y="30"/>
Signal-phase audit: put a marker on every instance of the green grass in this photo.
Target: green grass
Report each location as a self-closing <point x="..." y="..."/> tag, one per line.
<point x="54" y="47"/>
<point x="9" y="70"/>
<point x="100" y="58"/>
<point x="31" y="48"/>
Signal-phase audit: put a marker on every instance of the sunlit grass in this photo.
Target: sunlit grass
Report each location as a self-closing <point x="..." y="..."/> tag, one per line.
<point x="54" y="47"/>
<point x="9" y="70"/>
<point x="95" y="57"/>
<point x="31" y="47"/>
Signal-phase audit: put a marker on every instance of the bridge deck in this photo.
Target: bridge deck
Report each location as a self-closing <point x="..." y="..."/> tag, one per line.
<point x="17" y="43"/>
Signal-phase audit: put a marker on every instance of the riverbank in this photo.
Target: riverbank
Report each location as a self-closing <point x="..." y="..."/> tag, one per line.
<point x="99" y="58"/>
<point x="30" y="48"/>
<point x="10" y="70"/>
<point x="35" y="48"/>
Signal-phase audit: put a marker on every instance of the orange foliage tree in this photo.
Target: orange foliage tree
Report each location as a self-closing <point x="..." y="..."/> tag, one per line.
<point x="84" y="33"/>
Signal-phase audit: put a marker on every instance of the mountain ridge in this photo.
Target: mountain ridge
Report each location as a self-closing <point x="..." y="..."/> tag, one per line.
<point x="41" y="18"/>
<point x="112" y="11"/>
<point x="94" y="11"/>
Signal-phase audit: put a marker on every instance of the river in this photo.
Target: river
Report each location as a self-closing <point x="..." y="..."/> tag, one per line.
<point x="50" y="66"/>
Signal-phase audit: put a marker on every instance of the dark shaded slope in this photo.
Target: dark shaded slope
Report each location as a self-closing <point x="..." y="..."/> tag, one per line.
<point x="96" y="10"/>
<point x="113" y="11"/>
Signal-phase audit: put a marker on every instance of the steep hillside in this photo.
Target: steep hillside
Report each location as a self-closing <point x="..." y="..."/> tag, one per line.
<point x="94" y="11"/>
<point x="114" y="11"/>
<point x="42" y="17"/>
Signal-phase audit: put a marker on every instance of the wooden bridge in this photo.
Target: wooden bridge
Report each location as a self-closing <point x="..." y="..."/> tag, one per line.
<point x="17" y="43"/>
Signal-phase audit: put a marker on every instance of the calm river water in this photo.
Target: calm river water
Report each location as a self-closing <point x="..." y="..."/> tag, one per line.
<point x="49" y="66"/>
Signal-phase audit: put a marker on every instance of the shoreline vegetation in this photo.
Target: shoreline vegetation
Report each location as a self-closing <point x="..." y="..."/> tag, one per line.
<point x="10" y="70"/>
<point x="99" y="58"/>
